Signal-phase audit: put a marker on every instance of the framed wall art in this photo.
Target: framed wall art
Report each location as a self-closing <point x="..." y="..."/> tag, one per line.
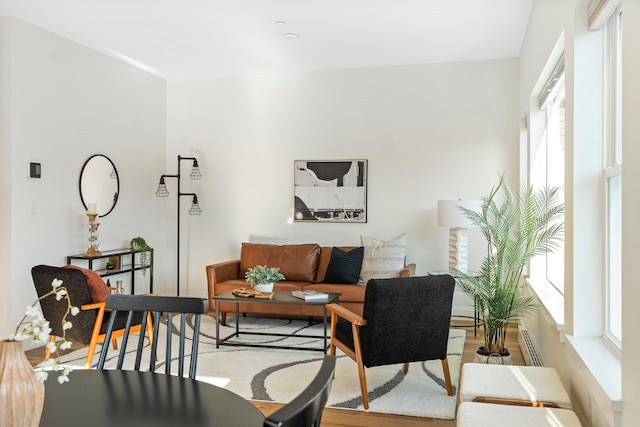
<point x="330" y="190"/>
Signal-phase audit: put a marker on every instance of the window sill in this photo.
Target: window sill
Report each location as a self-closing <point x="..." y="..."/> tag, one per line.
<point x="603" y="362"/>
<point x="552" y="300"/>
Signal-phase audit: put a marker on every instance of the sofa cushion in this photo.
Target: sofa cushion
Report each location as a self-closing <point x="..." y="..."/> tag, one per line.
<point x="296" y="262"/>
<point x="382" y="259"/>
<point x="344" y="266"/>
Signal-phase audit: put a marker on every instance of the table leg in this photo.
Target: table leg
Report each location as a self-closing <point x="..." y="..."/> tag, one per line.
<point x="476" y="317"/>
<point x="237" y="320"/>
<point x="217" y="324"/>
<point x="324" y="323"/>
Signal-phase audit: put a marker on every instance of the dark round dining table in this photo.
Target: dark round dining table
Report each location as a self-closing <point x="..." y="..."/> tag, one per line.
<point x="96" y="398"/>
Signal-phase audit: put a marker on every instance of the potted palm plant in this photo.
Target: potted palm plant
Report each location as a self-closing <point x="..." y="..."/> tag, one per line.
<point x="517" y="229"/>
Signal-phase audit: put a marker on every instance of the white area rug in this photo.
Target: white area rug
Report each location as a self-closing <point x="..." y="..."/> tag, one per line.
<point x="280" y="375"/>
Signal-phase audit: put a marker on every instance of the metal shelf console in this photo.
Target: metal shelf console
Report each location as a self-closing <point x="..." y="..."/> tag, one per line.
<point x="120" y="257"/>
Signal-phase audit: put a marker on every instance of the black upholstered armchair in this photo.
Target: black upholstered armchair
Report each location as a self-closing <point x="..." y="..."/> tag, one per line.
<point x="404" y="320"/>
<point x="90" y="325"/>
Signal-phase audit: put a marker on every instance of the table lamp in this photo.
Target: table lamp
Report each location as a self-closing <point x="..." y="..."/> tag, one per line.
<point x="450" y="215"/>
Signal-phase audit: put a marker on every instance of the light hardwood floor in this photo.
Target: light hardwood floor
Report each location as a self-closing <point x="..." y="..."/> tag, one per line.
<point x="349" y="418"/>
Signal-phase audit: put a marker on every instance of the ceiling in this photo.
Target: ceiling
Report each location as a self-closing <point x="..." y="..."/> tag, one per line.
<point x="180" y="39"/>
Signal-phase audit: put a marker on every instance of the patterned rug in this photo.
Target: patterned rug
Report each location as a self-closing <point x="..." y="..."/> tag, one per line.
<point x="280" y="375"/>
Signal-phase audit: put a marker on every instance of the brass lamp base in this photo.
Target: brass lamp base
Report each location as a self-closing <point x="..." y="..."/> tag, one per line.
<point x="92" y="252"/>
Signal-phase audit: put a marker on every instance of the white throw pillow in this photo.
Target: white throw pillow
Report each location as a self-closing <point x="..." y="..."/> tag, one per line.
<point x="382" y="259"/>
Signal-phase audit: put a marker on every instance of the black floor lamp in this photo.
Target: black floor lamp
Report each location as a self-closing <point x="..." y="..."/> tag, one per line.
<point x="195" y="207"/>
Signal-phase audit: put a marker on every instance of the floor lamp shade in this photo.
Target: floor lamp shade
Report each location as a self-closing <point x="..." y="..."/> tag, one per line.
<point x="450" y="215"/>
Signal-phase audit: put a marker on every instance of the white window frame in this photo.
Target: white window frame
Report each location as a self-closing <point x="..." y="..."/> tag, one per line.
<point x="612" y="170"/>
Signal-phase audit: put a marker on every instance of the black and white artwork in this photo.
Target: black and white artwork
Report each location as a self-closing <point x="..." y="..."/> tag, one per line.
<point x="330" y="191"/>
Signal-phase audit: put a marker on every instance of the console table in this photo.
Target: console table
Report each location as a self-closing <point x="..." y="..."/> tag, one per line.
<point x="125" y="260"/>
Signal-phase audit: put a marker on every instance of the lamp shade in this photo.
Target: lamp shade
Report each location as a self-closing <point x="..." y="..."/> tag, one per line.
<point x="449" y="215"/>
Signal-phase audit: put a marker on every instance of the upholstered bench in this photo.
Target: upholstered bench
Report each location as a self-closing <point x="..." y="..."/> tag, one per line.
<point x="516" y="385"/>
<point x="475" y="414"/>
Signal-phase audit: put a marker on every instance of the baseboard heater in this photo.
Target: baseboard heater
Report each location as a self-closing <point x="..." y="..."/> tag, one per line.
<point x="528" y="347"/>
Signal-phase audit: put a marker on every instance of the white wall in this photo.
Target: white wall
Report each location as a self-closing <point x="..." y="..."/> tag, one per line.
<point x="5" y="182"/>
<point x="429" y="132"/>
<point x="66" y="103"/>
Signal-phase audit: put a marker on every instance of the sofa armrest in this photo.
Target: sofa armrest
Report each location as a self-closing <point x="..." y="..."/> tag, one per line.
<point x="408" y="271"/>
<point x="221" y="272"/>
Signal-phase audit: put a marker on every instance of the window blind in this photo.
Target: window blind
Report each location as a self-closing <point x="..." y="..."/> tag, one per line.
<point x="599" y="10"/>
<point x="551" y="83"/>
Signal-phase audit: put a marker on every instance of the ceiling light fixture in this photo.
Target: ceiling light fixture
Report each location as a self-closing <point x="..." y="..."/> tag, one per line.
<point x="291" y="36"/>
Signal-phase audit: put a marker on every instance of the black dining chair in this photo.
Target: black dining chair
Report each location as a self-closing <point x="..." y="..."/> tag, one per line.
<point x="306" y="409"/>
<point x="156" y="306"/>
<point x="404" y="319"/>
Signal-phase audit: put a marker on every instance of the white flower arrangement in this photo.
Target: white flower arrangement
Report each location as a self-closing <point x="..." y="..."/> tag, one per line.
<point x="261" y="274"/>
<point x="38" y="330"/>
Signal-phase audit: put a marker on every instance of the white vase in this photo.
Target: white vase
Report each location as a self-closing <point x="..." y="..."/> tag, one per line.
<point x="264" y="287"/>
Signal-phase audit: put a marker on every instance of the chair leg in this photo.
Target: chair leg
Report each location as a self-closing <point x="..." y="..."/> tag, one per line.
<point x="47" y="352"/>
<point x="223" y="318"/>
<point x="332" y="344"/>
<point x="361" y="374"/>
<point x="150" y="326"/>
<point x="95" y="337"/>
<point x="447" y="376"/>
<point x="150" y="329"/>
<point x="406" y="367"/>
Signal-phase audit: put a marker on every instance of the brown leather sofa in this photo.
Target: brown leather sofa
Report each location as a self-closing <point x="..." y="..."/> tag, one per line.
<point x="304" y="267"/>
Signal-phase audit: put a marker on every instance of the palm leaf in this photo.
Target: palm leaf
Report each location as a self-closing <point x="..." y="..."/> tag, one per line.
<point x="519" y="228"/>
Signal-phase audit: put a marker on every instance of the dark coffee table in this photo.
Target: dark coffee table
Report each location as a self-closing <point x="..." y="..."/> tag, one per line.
<point x="279" y="297"/>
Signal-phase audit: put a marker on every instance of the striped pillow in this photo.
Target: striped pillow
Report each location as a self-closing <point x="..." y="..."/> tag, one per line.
<point x="382" y="259"/>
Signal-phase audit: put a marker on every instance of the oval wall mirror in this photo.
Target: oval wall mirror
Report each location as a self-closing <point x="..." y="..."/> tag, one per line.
<point x="99" y="184"/>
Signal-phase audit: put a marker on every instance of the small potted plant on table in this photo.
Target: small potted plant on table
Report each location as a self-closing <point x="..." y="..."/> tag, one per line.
<point x="262" y="277"/>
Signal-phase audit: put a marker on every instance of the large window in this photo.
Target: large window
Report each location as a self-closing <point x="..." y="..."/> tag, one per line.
<point x="547" y="167"/>
<point x="612" y="176"/>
